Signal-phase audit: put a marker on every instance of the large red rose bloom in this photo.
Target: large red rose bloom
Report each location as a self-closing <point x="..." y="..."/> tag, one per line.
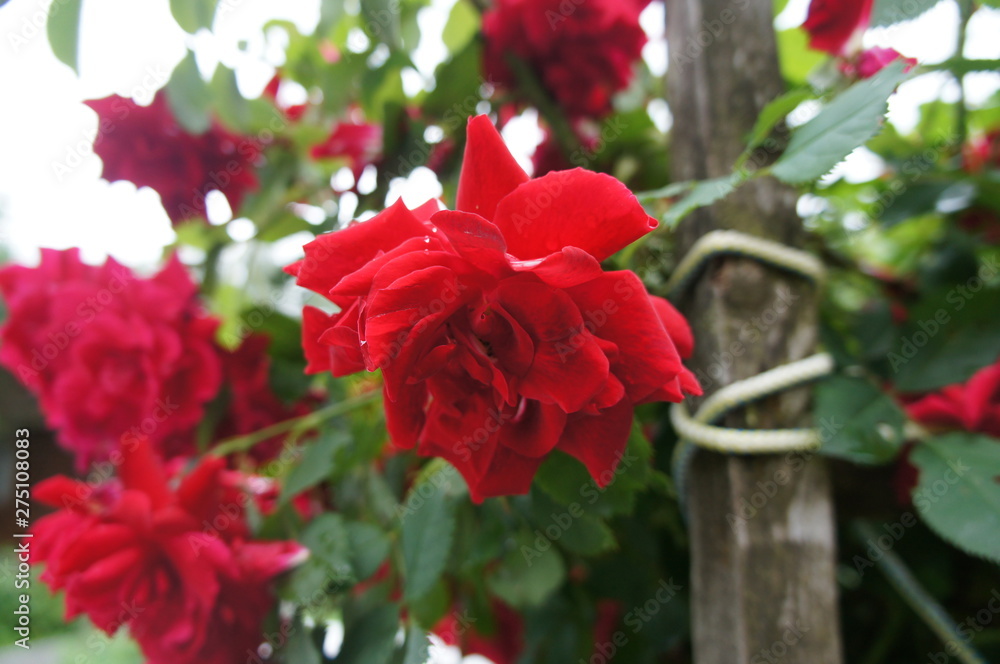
<point x="112" y="357"/>
<point x="582" y="53"/>
<point x="172" y="565"/>
<point x="147" y="146"/>
<point x="498" y="335"/>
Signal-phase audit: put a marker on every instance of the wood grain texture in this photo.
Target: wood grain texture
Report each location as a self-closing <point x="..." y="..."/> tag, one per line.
<point x="762" y="528"/>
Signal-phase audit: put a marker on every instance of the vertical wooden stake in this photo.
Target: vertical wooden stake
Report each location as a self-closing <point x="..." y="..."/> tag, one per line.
<point x="762" y="528"/>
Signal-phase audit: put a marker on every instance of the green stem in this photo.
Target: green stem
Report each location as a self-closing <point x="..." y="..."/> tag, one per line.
<point x="529" y="84"/>
<point x="965" y="10"/>
<point x="925" y="606"/>
<point x="303" y="423"/>
<point x="212" y="267"/>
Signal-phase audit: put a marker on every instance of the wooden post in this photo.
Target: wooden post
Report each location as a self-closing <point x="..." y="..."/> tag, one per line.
<point x="762" y="527"/>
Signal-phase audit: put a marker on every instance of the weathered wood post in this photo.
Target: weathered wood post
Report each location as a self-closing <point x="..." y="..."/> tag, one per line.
<point x="762" y="528"/>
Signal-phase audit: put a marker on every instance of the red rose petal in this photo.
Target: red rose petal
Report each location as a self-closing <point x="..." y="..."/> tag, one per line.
<point x="577" y="208"/>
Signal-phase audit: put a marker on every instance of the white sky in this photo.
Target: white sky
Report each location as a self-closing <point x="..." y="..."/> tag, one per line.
<point x="130" y="47"/>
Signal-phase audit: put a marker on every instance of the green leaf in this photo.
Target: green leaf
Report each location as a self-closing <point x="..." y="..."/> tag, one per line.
<point x="189" y="96"/>
<point x="330" y="12"/>
<point x="456" y="94"/>
<point x="301" y="648"/>
<point x="701" y="194"/>
<point x="858" y="421"/>
<point x="528" y="573"/>
<point x="917" y="200"/>
<point x="462" y="25"/>
<point x="889" y="12"/>
<point x="63" y="28"/>
<point x="432" y="606"/>
<point x="417" y="646"/>
<point x="381" y="21"/>
<point x="950" y="336"/>
<point x="845" y="124"/>
<point x="231" y="106"/>
<point x="327" y="540"/>
<point x="958" y="493"/>
<point x="315" y="466"/>
<point x="369" y="548"/>
<point x="567" y="481"/>
<point x="775" y="111"/>
<point x="370" y="638"/>
<point x="428" y="527"/>
<point x="571" y="527"/>
<point x="193" y="15"/>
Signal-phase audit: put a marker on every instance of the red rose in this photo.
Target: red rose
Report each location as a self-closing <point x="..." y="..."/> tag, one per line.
<point x="359" y="143"/>
<point x="147" y="146"/>
<point x="835" y="26"/>
<point x="498" y="335"/>
<point x="172" y="565"/>
<point x="972" y="406"/>
<point x="112" y="357"/>
<point x="582" y="53"/>
<point x="982" y="153"/>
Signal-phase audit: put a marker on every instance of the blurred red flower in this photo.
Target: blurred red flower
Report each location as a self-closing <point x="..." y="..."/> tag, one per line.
<point x="581" y="53"/>
<point x="835" y="26"/>
<point x="171" y="564"/>
<point x="360" y="143"/>
<point x="148" y="147"/>
<point x="971" y="406"/>
<point x="498" y="334"/>
<point x="871" y="61"/>
<point x="113" y="358"/>
<point x="982" y="153"/>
